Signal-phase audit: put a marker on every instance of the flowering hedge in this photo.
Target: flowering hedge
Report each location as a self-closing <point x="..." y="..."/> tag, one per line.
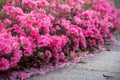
<point x="34" y="33"/>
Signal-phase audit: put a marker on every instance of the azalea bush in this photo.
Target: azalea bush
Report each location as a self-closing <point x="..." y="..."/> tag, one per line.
<point x="34" y="33"/>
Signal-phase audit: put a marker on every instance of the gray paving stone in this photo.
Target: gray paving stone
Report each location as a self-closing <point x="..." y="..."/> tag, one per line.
<point x="105" y="66"/>
<point x="77" y="74"/>
<point x="105" y="62"/>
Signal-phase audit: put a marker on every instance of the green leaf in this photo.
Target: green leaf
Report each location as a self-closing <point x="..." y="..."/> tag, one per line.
<point x="93" y="48"/>
<point x="40" y="53"/>
<point x="39" y="62"/>
<point x="1" y="12"/>
<point x="83" y="52"/>
<point x="83" y="62"/>
<point x="118" y="32"/>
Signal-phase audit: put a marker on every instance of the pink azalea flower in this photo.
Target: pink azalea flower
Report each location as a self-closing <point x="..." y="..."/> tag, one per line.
<point x="7" y="21"/>
<point x="4" y="64"/>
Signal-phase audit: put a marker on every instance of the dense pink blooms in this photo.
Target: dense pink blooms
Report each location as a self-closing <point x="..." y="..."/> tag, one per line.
<point x="44" y="41"/>
<point x="13" y="12"/>
<point x="42" y="3"/>
<point x="65" y="7"/>
<point x="34" y="33"/>
<point x="28" y="4"/>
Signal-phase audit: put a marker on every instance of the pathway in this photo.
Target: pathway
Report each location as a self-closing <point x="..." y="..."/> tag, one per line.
<point x="105" y="66"/>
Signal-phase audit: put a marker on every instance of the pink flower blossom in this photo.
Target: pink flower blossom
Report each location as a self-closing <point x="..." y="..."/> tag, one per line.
<point x="23" y="75"/>
<point x="4" y="64"/>
<point x="42" y="3"/>
<point x="7" y="21"/>
<point x="65" y="7"/>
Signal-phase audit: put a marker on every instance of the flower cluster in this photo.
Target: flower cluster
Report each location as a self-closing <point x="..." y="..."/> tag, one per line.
<point x="38" y="32"/>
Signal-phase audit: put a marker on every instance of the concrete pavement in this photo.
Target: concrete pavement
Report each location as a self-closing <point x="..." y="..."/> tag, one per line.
<point x="105" y="66"/>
